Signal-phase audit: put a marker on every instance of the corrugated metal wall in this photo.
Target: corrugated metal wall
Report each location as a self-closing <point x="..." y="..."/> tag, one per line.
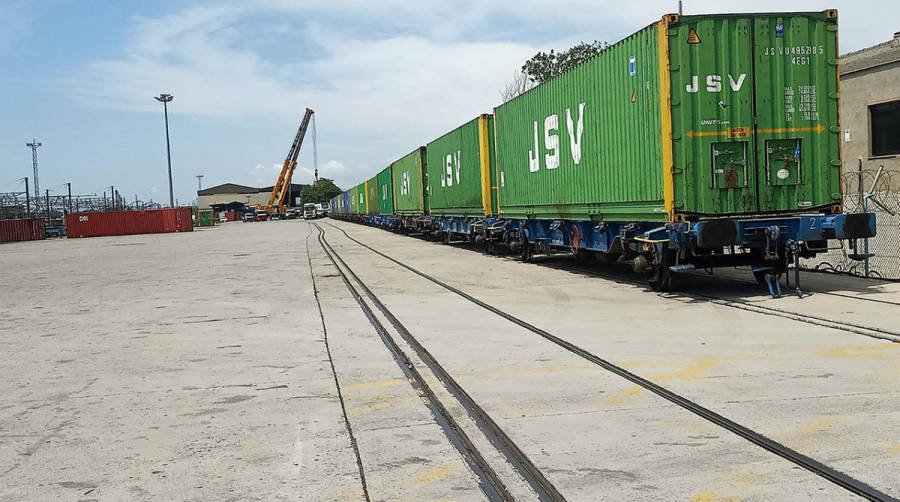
<point x="128" y="222"/>
<point x="755" y="113"/>
<point x="372" y="196"/>
<point x="354" y="200"/>
<point x="22" y="230"/>
<point x="385" y="192"/>
<point x="587" y="144"/>
<point x="454" y="172"/>
<point x="409" y="198"/>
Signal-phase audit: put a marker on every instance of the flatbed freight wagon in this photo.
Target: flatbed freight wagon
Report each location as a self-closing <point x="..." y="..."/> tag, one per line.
<point x="408" y="180"/>
<point x="697" y="142"/>
<point x="694" y="135"/>
<point x="460" y="169"/>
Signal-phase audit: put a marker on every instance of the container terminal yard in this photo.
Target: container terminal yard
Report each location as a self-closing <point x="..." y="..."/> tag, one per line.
<point x="649" y="275"/>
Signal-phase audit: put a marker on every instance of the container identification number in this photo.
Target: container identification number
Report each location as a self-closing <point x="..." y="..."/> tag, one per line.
<point x="796" y="50"/>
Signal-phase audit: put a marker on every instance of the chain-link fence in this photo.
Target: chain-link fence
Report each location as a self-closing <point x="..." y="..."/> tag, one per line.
<point x="866" y="190"/>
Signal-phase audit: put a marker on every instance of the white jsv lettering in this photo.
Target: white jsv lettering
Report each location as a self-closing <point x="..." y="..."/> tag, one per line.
<point x="714" y="83"/>
<point x="692" y="87"/>
<point x="551" y="141"/>
<point x="534" y="162"/>
<point x="575" y="133"/>
<point x="736" y="86"/>
<point x="448" y="170"/>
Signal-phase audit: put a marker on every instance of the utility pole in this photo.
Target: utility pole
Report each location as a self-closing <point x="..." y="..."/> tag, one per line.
<point x="70" y="195"/>
<point x="37" y="187"/>
<point x="27" y="199"/>
<point x="48" y="206"/>
<point x="112" y="197"/>
<point x="165" y="99"/>
<point x="199" y="182"/>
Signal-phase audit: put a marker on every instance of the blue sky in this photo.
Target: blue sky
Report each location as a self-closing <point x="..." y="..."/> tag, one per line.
<point x="383" y="78"/>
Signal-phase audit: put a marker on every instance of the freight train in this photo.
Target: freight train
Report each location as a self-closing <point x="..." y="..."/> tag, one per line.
<point x="700" y="141"/>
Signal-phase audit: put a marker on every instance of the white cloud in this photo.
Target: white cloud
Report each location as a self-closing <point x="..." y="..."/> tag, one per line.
<point x="383" y="77"/>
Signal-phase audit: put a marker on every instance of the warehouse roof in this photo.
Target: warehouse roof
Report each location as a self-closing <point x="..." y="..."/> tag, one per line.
<point x="871" y="57"/>
<point x="294" y="187"/>
<point x="228" y="188"/>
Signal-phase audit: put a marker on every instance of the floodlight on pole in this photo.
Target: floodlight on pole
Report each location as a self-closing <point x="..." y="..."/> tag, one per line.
<point x="165" y="99"/>
<point x="37" y="187"/>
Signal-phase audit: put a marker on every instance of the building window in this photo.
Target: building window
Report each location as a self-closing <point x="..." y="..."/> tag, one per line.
<point x="885" y="120"/>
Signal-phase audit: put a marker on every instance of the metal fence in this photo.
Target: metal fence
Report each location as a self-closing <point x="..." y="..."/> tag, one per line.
<point x="868" y="190"/>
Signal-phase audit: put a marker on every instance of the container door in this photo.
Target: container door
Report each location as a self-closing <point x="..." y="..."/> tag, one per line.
<point x="712" y="115"/>
<point x="796" y="100"/>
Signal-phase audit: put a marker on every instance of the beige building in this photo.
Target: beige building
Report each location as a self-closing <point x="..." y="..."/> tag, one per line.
<point x="231" y="196"/>
<point x="870" y="108"/>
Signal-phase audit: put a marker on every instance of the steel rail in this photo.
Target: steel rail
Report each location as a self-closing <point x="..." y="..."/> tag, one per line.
<point x="495" y="434"/>
<point x="839" y="478"/>
<point x="337" y="384"/>
<point x="491" y="484"/>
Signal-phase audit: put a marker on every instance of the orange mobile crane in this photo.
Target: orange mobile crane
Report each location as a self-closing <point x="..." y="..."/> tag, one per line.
<point x="282" y="187"/>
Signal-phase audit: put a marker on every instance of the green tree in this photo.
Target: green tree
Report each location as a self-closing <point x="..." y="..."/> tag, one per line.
<point x="544" y="66"/>
<point x="322" y="190"/>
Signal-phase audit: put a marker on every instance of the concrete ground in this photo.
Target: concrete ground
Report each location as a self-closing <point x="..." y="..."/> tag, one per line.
<point x="194" y="367"/>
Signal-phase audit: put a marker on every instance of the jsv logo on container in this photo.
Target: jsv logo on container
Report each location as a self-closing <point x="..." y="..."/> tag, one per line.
<point x="714" y="83"/>
<point x="404" y="183"/>
<point x="551" y="140"/>
<point x="451" y="163"/>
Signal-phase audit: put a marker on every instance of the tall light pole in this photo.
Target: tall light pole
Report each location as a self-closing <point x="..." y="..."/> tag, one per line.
<point x="165" y="99"/>
<point x="199" y="182"/>
<point x="37" y="187"/>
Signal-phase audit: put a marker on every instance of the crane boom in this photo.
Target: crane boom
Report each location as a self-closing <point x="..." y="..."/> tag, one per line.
<point x="283" y="184"/>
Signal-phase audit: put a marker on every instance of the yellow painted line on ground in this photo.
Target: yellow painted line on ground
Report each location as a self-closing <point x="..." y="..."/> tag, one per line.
<point x="820" y="424"/>
<point x="432" y="475"/>
<point x="696" y="366"/>
<point x="385" y="400"/>
<point x="689" y="373"/>
<point x="863" y="351"/>
<point x="751" y="478"/>
<point x="378" y="383"/>
<point x="620" y="398"/>
<point x="711" y="497"/>
<point x="524" y="371"/>
<point x="894" y="448"/>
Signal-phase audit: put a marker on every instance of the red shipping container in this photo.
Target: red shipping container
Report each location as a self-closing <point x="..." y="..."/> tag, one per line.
<point x="22" y="230"/>
<point x="129" y="222"/>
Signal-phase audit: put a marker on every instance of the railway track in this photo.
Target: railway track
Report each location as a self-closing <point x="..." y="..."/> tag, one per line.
<point x="628" y="278"/>
<point x="870" y="331"/>
<point x="517" y="466"/>
<point x="839" y="478"/>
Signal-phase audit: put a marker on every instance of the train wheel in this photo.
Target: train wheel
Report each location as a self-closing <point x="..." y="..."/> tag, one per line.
<point x="527" y="250"/>
<point x="660" y="278"/>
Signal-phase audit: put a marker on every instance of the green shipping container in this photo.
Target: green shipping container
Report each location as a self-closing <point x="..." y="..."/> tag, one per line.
<point x="692" y="116"/>
<point x="362" y="203"/>
<point x="385" y="192"/>
<point x="459" y="170"/>
<point x="407" y="177"/>
<point x="354" y="200"/>
<point x="205" y="218"/>
<point x="372" y="198"/>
